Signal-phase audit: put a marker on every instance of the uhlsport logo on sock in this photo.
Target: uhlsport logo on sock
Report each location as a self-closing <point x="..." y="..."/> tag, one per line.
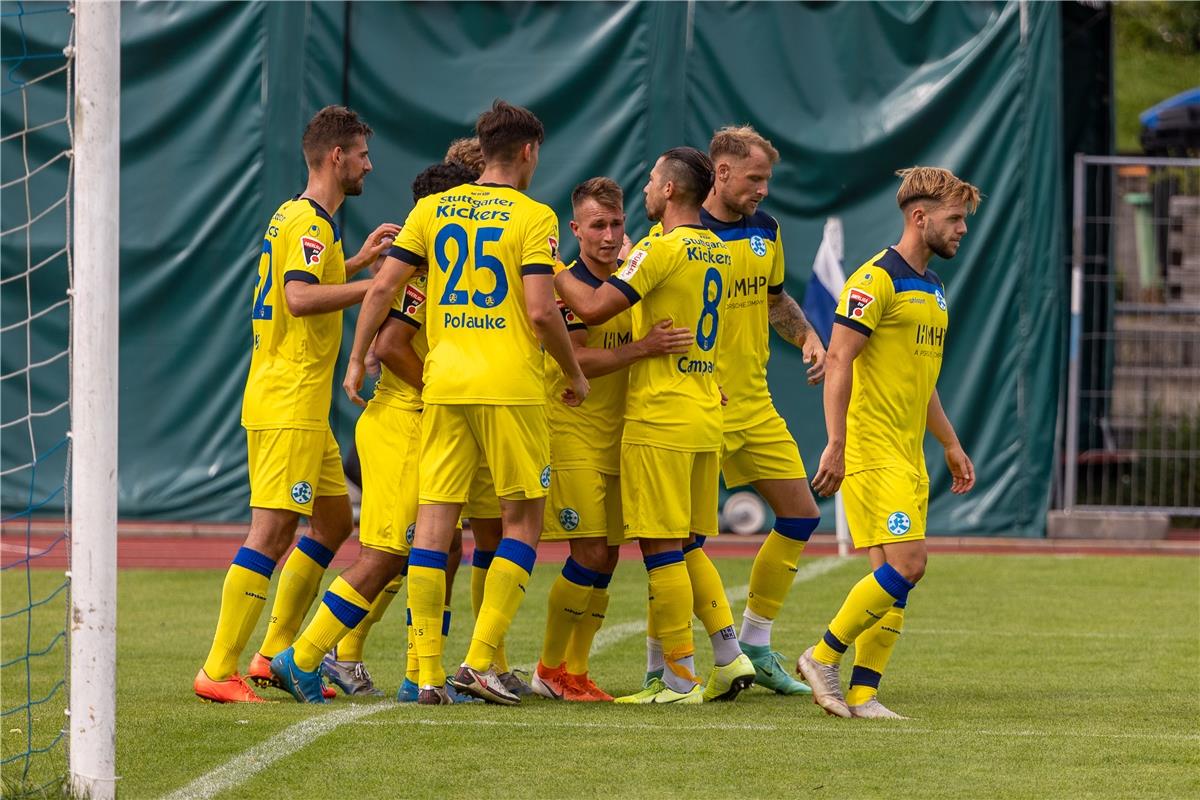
<point x="569" y="519"/>
<point x="898" y="523"/>
<point x="302" y="492"/>
<point x="546" y="477"/>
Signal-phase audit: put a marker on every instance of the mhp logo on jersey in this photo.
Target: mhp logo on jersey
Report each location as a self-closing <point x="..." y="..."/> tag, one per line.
<point x="758" y="246"/>
<point x="302" y="492"/>
<point x="408" y="534"/>
<point x="941" y="298"/>
<point x="569" y="519"/>
<point x="414" y="298"/>
<point x="898" y="523"/>
<point x="312" y="250"/>
<point x="546" y="477"/>
<point x="857" y="302"/>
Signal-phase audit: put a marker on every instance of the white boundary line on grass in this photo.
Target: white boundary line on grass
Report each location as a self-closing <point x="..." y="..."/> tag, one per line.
<point x="245" y="766"/>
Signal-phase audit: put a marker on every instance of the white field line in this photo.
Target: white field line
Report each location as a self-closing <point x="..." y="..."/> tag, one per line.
<point x="1192" y="637"/>
<point x="243" y="767"/>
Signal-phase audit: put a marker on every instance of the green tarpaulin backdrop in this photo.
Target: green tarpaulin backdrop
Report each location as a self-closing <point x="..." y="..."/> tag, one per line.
<point x="214" y="98"/>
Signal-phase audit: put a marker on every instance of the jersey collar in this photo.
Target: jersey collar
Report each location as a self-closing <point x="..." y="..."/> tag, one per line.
<point x="580" y="270"/>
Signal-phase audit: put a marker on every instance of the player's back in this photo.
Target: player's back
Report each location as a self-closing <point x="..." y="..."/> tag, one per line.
<point x="478" y="241"/>
<point x="674" y="401"/>
<point x="293" y="358"/>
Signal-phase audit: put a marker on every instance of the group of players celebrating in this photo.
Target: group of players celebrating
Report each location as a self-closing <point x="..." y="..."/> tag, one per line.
<point x="595" y="402"/>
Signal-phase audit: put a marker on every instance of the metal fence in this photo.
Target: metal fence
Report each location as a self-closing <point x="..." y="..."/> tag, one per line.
<point x="1132" y="438"/>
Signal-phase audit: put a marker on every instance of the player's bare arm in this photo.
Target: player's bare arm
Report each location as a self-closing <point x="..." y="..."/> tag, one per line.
<point x="375" y="246"/>
<point x="792" y="326"/>
<point x="844" y="346"/>
<point x="663" y="339"/>
<point x="393" y="346"/>
<point x="548" y="323"/>
<point x="594" y="306"/>
<point x="305" y="299"/>
<point x="383" y="289"/>
<point x="962" y="471"/>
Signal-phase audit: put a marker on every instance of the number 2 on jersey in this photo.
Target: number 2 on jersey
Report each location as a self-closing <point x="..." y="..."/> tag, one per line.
<point x="261" y="309"/>
<point x="454" y="296"/>
<point x="711" y="297"/>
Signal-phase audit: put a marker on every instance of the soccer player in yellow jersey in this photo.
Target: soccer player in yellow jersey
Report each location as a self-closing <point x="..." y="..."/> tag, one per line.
<point x="880" y="395"/>
<point x="295" y="468"/>
<point x="491" y="252"/>
<point x="758" y="449"/>
<point x="671" y="442"/>
<point x="584" y="508"/>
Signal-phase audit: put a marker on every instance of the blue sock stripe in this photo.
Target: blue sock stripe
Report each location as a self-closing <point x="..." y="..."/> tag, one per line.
<point x="518" y="553"/>
<point x="687" y="548"/>
<point x="579" y="574"/>
<point x="427" y="558"/>
<point x="861" y="676"/>
<point x="408" y="616"/>
<point x="893" y="582"/>
<point x="901" y="603"/>
<point x="346" y="612"/>
<point x="315" y="550"/>
<point x="797" y="528"/>
<point x="603" y="579"/>
<point x="404" y="569"/>
<point x="446" y="622"/>
<point x="482" y="558"/>
<point x="254" y="561"/>
<point x="663" y="559"/>
<point x="834" y="642"/>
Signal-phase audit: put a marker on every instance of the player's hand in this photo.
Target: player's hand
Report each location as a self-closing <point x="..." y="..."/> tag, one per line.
<point x="353" y="382"/>
<point x="724" y="397"/>
<point x="626" y="246"/>
<point x="665" y="339"/>
<point x="831" y="472"/>
<point x="377" y="243"/>
<point x="962" y="471"/>
<point x="814" y="356"/>
<point x="577" y="392"/>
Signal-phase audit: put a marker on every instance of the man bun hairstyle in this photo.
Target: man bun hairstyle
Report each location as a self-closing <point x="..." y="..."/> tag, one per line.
<point x="738" y="141"/>
<point x="604" y="191"/>
<point x="438" y="178"/>
<point x="504" y="129"/>
<point x="333" y="126"/>
<point x="691" y="172"/>
<point x="935" y="185"/>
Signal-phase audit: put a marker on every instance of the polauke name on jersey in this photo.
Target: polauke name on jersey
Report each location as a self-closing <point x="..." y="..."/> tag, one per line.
<point x="482" y="321"/>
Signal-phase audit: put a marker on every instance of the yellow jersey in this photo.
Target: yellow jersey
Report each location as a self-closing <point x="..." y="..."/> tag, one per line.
<point x="904" y="313"/>
<point x="409" y="308"/>
<point x="674" y="401"/>
<point x="290" y="384"/>
<point x="479" y="240"/>
<point x="589" y="436"/>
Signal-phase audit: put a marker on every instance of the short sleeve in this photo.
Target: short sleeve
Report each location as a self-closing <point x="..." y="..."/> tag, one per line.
<point x="865" y="298"/>
<point x="409" y="305"/>
<point x="641" y="271"/>
<point x="409" y="245"/>
<point x="539" y="250"/>
<point x="307" y="257"/>
<point x="778" y="267"/>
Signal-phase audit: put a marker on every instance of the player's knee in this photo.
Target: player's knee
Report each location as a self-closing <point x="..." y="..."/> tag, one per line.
<point x="911" y="566"/>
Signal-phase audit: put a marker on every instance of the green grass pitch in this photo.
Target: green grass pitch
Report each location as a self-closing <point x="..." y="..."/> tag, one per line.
<point x="1025" y="677"/>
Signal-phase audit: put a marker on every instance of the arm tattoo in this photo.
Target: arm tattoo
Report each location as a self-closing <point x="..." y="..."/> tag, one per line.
<point x="788" y="320"/>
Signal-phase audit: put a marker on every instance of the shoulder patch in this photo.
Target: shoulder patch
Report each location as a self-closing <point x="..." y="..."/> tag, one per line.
<point x="312" y="250"/>
<point x="857" y="303"/>
<point x="630" y="267"/>
<point x="414" y="298"/>
<point x="553" y="242"/>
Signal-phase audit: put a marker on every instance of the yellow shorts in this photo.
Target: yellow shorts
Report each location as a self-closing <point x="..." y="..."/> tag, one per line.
<point x="584" y="503"/>
<point x="457" y="439"/>
<point x="765" y="452"/>
<point x="668" y="494"/>
<point x="389" y="449"/>
<point x="289" y="468"/>
<point x="885" y="506"/>
<point x="482" y="502"/>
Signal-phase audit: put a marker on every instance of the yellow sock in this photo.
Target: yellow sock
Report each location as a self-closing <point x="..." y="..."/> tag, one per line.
<point x="502" y="596"/>
<point x="566" y="607"/>
<point x="671" y="608"/>
<point x="342" y="609"/>
<point x="480" y="562"/>
<point x="412" y="668"/>
<point x="426" y="599"/>
<point x="299" y="581"/>
<point x="872" y="650"/>
<point x="708" y="593"/>
<point x="774" y="567"/>
<point x="866" y="604"/>
<point x="351" y="647"/>
<point x="579" y="647"/>
<point x="243" y="596"/>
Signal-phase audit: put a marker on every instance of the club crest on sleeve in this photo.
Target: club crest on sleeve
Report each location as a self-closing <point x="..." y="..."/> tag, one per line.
<point x="569" y="519"/>
<point x="302" y="492"/>
<point x="630" y="267"/>
<point x="941" y="298"/>
<point x="312" y="250"/>
<point x="414" y="298"/>
<point x="857" y="302"/>
<point x="758" y="246"/>
<point x="898" y="523"/>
